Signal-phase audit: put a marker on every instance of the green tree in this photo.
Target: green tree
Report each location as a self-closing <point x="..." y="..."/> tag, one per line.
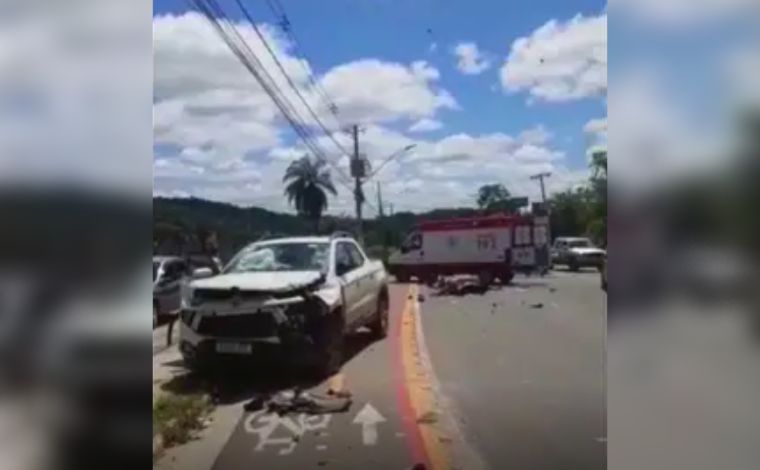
<point x="492" y="194"/>
<point x="307" y="184"/>
<point x="570" y="212"/>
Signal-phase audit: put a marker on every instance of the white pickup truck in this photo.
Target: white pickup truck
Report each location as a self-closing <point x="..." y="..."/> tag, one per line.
<point x="298" y="295"/>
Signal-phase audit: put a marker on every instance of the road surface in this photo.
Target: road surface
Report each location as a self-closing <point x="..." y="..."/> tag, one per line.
<point x="510" y="378"/>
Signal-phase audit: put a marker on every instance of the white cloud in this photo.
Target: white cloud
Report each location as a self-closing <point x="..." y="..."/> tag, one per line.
<point x="597" y="129"/>
<point x="372" y="91"/>
<point x="425" y="125"/>
<point x="560" y="61"/>
<point x="224" y="140"/>
<point x="433" y="47"/>
<point x="470" y="60"/>
<point x="537" y="135"/>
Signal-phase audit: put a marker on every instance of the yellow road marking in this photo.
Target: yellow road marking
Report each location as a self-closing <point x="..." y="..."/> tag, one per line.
<point x="420" y="389"/>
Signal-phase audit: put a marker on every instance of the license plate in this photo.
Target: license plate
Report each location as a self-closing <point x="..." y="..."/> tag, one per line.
<point x="233" y="348"/>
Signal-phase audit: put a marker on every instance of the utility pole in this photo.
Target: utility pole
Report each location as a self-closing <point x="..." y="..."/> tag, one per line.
<point x="540" y="177"/>
<point x="357" y="171"/>
<point x="379" y="200"/>
<point x="544" y="254"/>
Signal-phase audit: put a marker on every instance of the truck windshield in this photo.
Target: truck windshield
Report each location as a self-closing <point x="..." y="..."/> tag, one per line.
<point x="579" y="243"/>
<point x="281" y="257"/>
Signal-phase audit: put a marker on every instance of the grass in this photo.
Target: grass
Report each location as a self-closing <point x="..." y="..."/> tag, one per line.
<point x="176" y="418"/>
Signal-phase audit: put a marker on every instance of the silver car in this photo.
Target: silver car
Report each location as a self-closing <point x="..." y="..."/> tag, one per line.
<point x="576" y="253"/>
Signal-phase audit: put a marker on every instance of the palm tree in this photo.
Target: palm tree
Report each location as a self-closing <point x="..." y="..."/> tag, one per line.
<point x="307" y="180"/>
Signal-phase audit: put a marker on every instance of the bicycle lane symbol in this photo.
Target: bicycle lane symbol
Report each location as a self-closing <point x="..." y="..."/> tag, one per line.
<point x="264" y="425"/>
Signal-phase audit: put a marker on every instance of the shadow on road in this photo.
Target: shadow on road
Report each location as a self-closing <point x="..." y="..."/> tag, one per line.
<point x="235" y="381"/>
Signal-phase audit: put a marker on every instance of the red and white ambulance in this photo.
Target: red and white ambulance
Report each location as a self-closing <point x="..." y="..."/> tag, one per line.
<point x="494" y="246"/>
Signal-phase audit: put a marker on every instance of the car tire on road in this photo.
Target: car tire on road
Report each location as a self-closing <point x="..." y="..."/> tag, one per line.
<point x="572" y="265"/>
<point x="505" y="277"/>
<point x="379" y="324"/>
<point x="155" y="315"/>
<point x="485" y="277"/>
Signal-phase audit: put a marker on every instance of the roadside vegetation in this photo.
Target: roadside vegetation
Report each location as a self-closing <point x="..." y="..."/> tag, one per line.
<point x="177" y="418"/>
<point x="198" y="226"/>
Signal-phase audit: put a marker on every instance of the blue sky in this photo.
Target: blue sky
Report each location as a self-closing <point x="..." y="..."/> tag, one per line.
<point x="342" y="33"/>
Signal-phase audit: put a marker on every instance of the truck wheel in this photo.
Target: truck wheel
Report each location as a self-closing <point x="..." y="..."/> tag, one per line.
<point x="485" y="277"/>
<point x="329" y="344"/>
<point x="379" y="324"/>
<point x="572" y="265"/>
<point x="506" y="278"/>
<point x="155" y="315"/>
<point x="402" y="277"/>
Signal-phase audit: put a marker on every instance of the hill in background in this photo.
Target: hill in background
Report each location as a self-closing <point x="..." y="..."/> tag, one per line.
<point x="179" y="224"/>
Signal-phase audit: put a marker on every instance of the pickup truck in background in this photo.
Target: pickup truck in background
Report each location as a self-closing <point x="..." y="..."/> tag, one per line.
<point x="576" y="253"/>
<point x="299" y="295"/>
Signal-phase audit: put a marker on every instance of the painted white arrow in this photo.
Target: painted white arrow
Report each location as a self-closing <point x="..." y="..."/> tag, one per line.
<point x="368" y="417"/>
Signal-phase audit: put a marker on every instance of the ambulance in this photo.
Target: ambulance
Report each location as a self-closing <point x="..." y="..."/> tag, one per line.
<point x="491" y="247"/>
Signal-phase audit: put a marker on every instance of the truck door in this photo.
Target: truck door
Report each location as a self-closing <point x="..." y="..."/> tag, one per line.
<point x="523" y="250"/>
<point x="350" y="278"/>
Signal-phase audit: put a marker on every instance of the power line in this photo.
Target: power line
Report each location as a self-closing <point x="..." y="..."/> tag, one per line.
<point x="287" y="27"/>
<point x="224" y="27"/>
<point x="272" y="53"/>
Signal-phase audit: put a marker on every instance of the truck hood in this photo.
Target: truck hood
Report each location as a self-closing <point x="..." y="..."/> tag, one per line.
<point x="282" y="281"/>
<point x="587" y="251"/>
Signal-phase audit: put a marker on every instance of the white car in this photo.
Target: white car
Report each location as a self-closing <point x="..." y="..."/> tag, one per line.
<point x="299" y="295"/>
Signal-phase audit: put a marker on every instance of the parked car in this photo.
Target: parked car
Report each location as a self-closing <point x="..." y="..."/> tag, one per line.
<point x="576" y="253"/>
<point x="299" y="295"/>
<point x="603" y="274"/>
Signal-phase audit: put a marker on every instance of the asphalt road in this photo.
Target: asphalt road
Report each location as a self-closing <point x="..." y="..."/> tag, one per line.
<point x="510" y="378"/>
<point x="524" y="368"/>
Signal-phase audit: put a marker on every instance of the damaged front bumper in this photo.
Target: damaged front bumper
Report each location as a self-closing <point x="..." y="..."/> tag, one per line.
<point x="258" y="329"/>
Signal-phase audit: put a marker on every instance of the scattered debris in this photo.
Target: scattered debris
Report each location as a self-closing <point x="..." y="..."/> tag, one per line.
<point x="552" y="289"/>
<point x="429" y="417"/>
<point x="460" y="285"/>
<point x="537" y="305"/>
<point x="298" y="401"/>
<point x="256" y="403"/>
<point x="322" y="463"/>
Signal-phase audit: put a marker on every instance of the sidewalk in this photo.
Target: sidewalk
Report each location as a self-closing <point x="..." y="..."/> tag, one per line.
<point x="201" y="452"/>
